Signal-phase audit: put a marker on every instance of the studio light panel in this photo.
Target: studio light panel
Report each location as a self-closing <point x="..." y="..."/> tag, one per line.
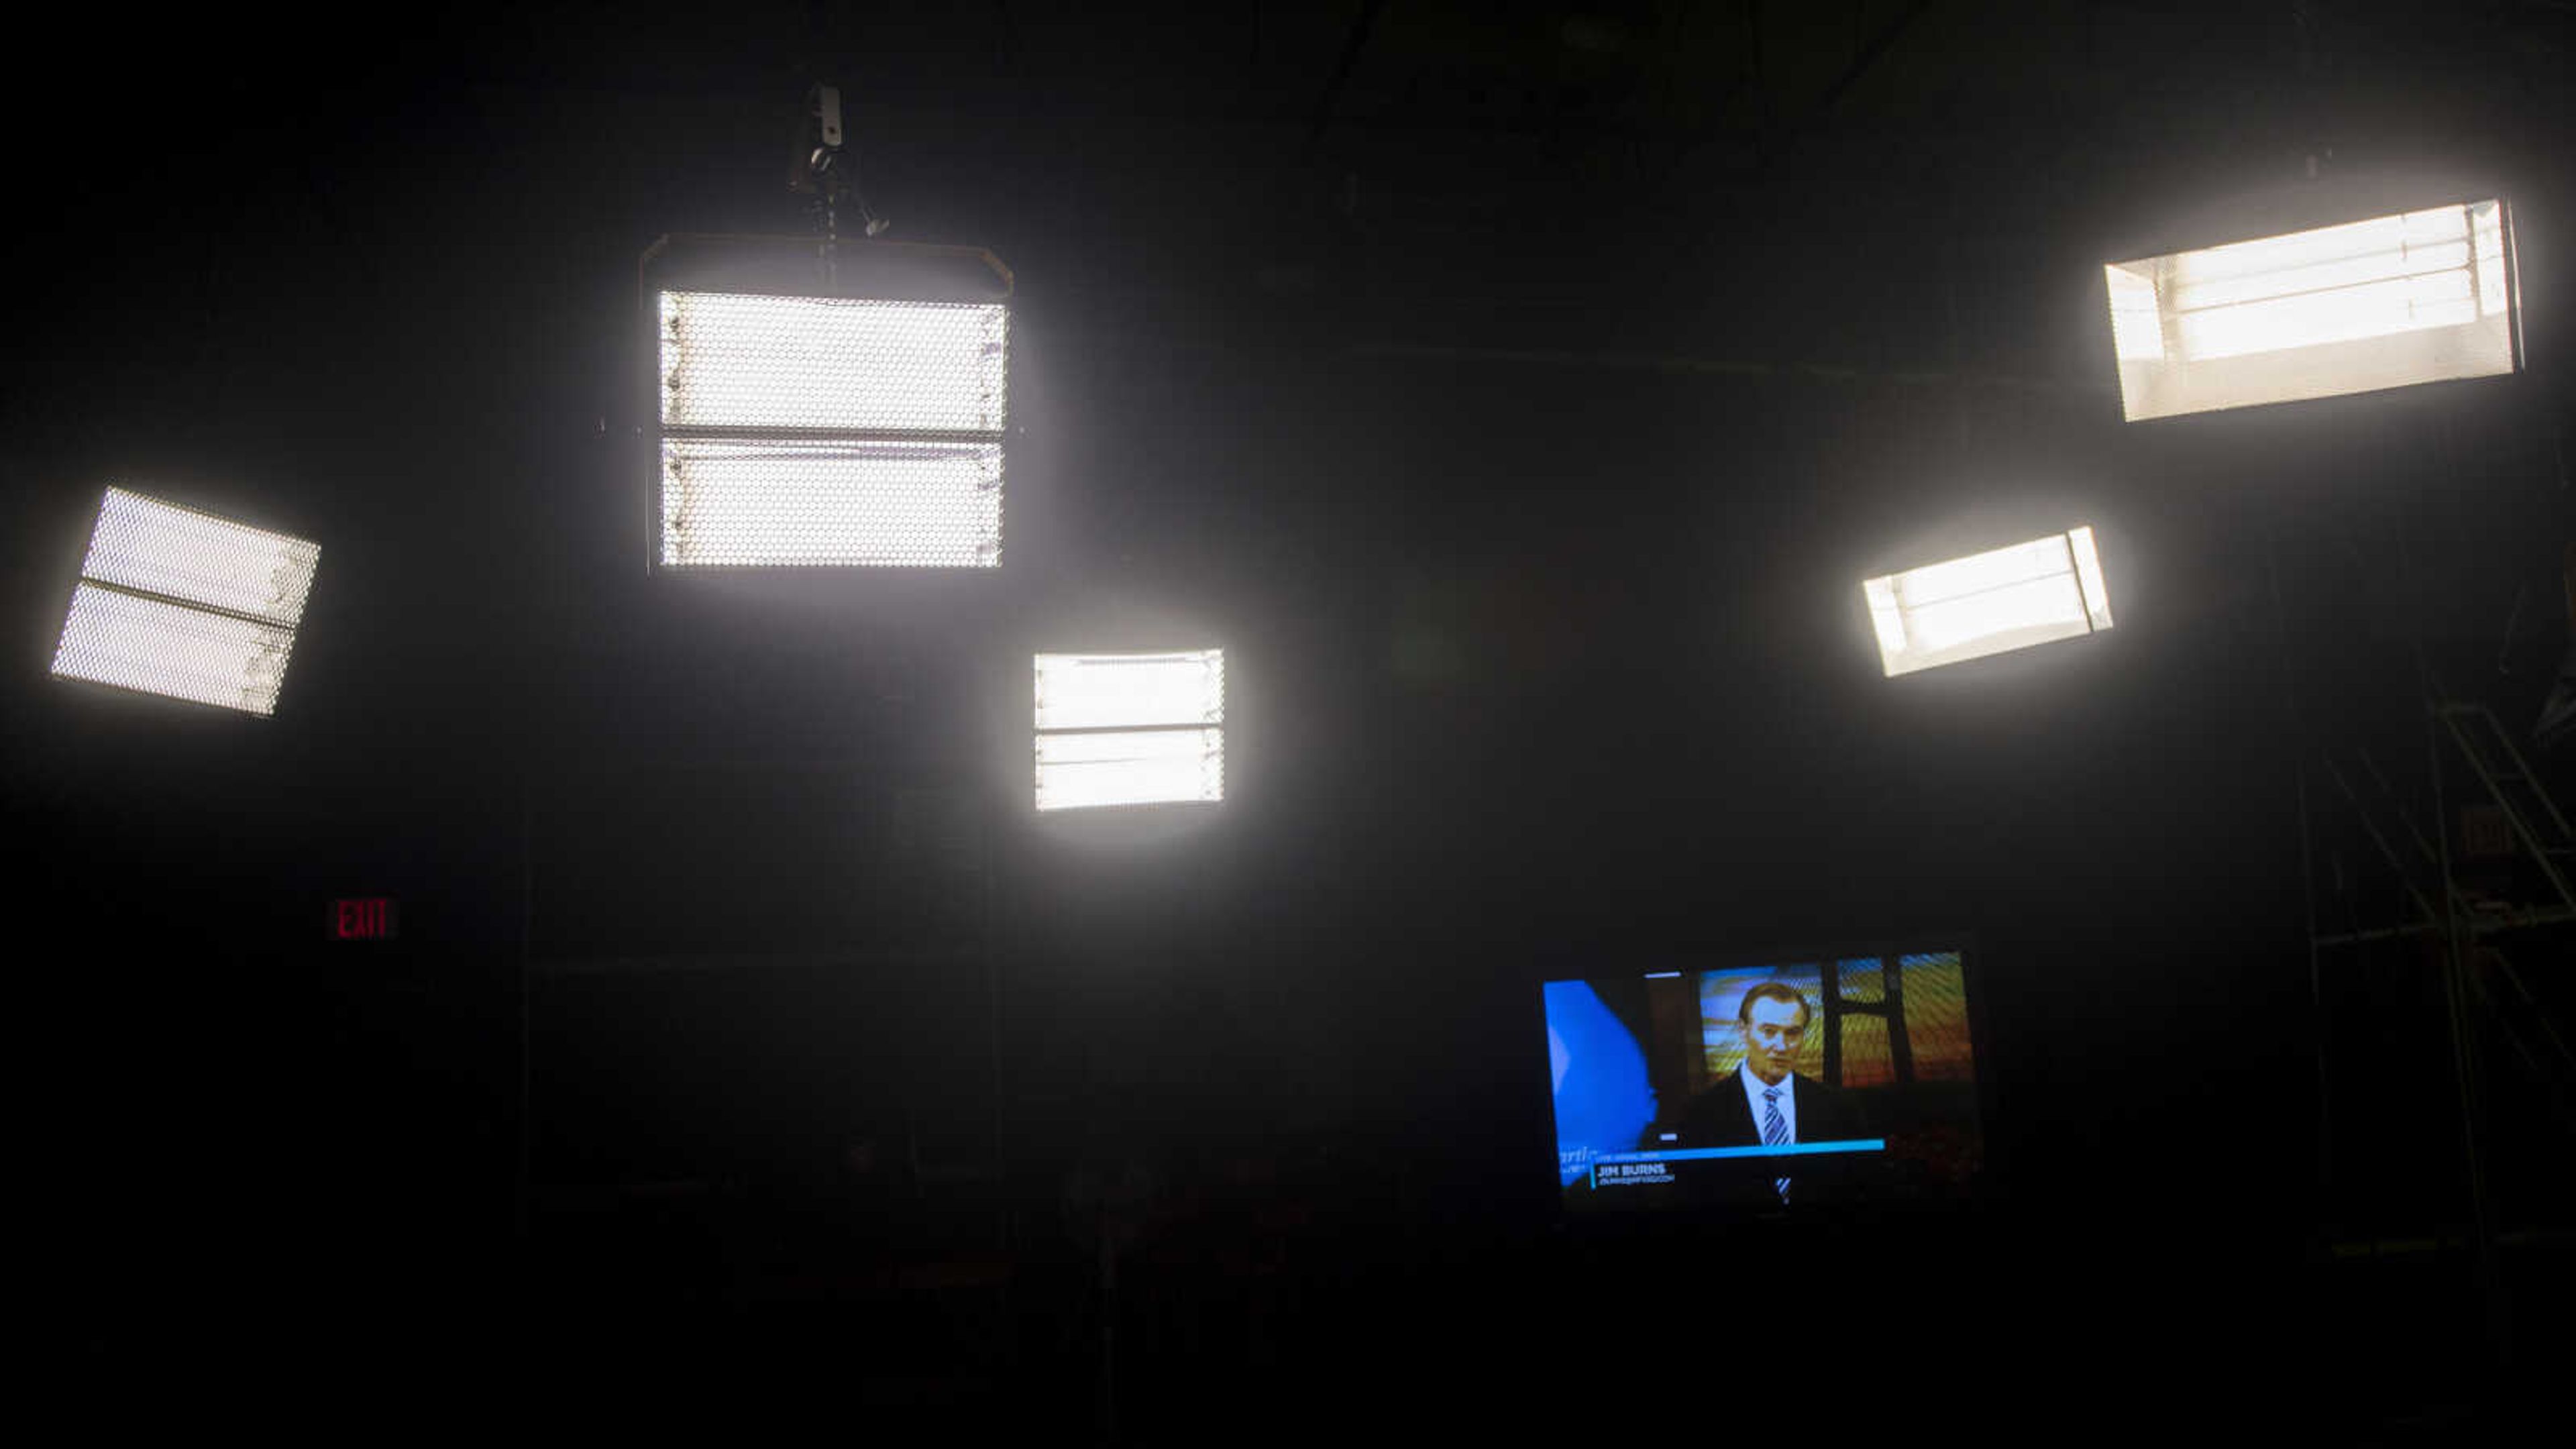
<point x="1130" y="729"/>
<point x="831" y="431"/>
<point x="2008" y="598"/>
<point x="180" y="603"/>
<point x="155" y="647"/>
<point x="1130" y="767"/>
<point x="153" y="547"/>
<point x="2421" y="296"/>
<point x="1092" y="691"/>
<point x="755" y="502"/>
<point x="732" y="361"/>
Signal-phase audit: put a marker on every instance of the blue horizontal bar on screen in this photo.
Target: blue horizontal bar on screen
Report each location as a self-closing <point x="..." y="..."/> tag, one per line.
<point x="1702" y="1154"/>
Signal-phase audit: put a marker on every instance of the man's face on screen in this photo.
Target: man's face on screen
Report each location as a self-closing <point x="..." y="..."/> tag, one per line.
<point x="1772" y="1035"/>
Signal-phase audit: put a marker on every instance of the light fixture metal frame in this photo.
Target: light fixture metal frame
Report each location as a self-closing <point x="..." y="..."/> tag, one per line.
<point x="2084" y="575"/>
<point x="1213" y="723"/>
<point x="286" y="625"/>
<point x="2305" y="217"/>
<point x="654" y="433"/>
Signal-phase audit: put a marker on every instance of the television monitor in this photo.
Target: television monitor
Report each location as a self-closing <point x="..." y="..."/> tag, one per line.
<point x="1766" y="1086"/>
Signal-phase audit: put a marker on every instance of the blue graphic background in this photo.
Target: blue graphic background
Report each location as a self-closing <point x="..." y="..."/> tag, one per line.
<point x="1603" y="1103"/>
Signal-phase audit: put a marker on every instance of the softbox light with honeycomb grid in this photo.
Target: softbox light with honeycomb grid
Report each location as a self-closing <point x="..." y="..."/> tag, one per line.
<point x="180" y="603"/>
<point x="830" y="431"/>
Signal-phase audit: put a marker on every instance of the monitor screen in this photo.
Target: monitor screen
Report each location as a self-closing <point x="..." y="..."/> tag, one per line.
<point x="1765" y="1087"/>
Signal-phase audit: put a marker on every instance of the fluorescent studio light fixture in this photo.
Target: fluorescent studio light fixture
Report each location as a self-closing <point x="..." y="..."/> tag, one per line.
<point x="2417" y="297"/>
<point x="804" y="431"/>
<point x="1130" y="767"/>
<point x="2009" y="598"/>
<point x="760" y="502"/>
<point x="180" y="603"/>
<point x="146" y="546"/>
<point x="832" y="362"/>
<point x="1130" y="729"/>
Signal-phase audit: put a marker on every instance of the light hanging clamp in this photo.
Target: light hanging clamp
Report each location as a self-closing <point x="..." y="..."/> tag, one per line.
<point x="825" y="170"/>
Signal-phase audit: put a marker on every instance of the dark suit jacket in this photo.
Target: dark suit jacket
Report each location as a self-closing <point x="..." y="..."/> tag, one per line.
<point x="1721" y="1117"/>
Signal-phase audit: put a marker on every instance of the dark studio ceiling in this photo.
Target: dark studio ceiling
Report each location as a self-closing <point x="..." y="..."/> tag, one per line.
<point x="1512" y="153"/>
<point x="353" y="228"/>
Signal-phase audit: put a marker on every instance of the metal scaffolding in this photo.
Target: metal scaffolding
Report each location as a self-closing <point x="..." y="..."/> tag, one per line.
<point x="2517" y="900"/>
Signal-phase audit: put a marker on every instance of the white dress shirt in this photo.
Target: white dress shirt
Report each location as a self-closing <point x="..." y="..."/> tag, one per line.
<point x="1754" y="1087"/>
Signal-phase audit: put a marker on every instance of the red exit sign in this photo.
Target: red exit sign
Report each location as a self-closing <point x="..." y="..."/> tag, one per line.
<point x="369" y="918"/>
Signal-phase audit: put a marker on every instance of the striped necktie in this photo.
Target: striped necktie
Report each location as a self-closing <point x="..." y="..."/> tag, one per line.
<point x="1775" y="1132"/>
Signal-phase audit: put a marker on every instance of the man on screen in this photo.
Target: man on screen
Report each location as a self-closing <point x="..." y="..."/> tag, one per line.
<point x="1766" y="1103"/>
